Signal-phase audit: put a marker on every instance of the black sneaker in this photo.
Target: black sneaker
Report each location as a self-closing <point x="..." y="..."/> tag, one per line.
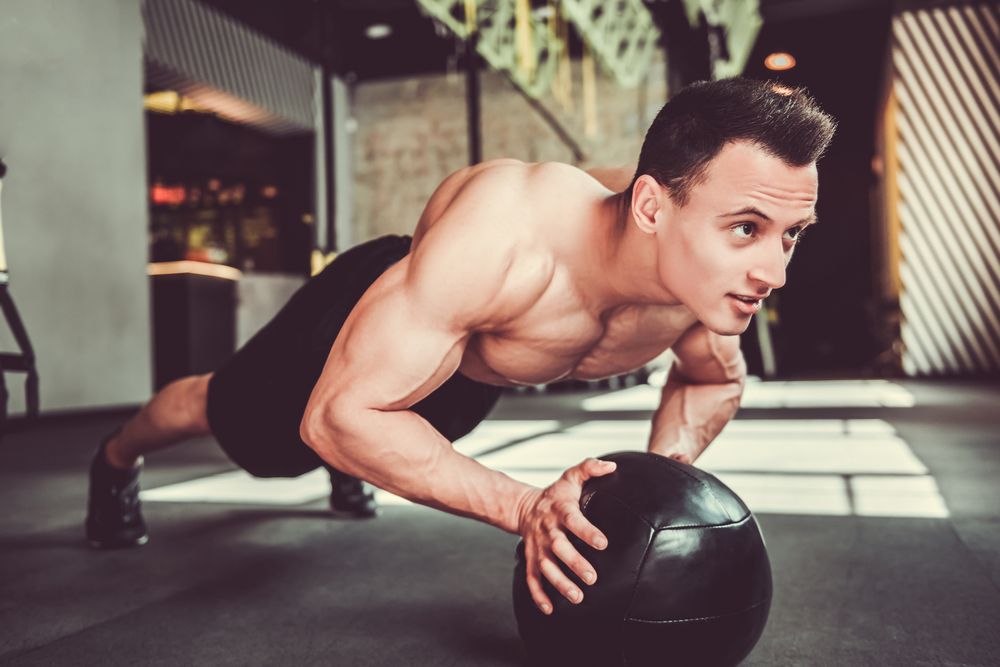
<point x="350" y="496"/>
<point x="114" y="520"/>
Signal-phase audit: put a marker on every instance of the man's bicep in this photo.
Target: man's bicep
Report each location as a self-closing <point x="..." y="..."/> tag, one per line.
<point x="407" y="334"/>
<point x="704" y="357"/>
<point x="391" y="352"/>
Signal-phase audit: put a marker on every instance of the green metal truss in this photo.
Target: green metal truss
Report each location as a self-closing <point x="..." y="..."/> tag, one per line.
<point x="620" y="33"/>
<point x="740" y="21"/>
<point x="497" y="43"/>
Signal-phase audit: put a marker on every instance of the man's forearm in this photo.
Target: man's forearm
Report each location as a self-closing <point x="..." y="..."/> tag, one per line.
<point x="400" y="452"/>
<point x="690" y="416"/>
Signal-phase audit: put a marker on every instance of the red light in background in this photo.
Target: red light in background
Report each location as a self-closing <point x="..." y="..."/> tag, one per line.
<point x="173" y="196"/>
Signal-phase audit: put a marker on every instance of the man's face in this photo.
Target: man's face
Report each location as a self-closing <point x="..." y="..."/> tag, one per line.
<point x="728" y="247"/>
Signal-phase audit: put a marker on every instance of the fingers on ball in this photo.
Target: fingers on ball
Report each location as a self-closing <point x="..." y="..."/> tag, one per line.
<point x="565" y="552"/>
<point x="538" y="596"/>
<point x="561" y="582"/>
<point x="582" y="528"/>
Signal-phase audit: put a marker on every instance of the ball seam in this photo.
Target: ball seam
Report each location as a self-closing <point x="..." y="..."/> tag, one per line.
<point x="734" y="524"/>
<point x="638" y="575"/>
<point x="702" y="618"/>
<point x="673" y="466"/>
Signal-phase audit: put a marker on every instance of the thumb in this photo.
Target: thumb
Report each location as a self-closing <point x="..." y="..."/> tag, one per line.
<point x="590" y="468"/>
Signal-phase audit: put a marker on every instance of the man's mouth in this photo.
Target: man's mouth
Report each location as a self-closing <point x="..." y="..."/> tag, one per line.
<point x="747" y="304"/>
<point x="747" y="299"/>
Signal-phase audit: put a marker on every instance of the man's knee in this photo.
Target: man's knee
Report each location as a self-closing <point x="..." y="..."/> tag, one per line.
<point x="199" y="401"/>
<point x="189" y="397"/>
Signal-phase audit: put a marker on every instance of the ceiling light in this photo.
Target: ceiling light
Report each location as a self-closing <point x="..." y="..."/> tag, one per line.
<point x="779" y="61"/>
<point x="378" y="31"/>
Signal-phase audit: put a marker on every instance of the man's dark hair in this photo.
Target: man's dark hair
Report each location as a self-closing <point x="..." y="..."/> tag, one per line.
<point x="695" y="125"/>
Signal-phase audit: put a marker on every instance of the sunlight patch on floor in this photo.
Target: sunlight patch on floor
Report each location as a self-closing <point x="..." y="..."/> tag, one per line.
<point x="240" y="487"/>
<point x="829" y="394"/>
<point x="821" y="467"/>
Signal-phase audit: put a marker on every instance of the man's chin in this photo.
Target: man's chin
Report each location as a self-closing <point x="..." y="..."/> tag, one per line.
<point x="727" y="328"/>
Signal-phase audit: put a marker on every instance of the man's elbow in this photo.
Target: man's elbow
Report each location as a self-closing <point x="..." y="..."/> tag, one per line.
<point x="326" y="429"/>
<point x="311" y="427"/>
<point x="738" y="371"/>
<point x="735" y="380"/>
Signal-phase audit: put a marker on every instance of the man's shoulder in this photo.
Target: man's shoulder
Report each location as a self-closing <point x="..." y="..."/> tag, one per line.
<point x="516" y="174"/>
<point x="534" y="196"/>
<point x="519" y="196"/>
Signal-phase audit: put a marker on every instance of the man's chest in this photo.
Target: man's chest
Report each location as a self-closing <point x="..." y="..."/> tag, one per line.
<point x="575" y="345"/>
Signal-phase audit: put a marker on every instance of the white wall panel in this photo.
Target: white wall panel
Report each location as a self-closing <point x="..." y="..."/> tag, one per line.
<point x="74" y="200"/>
<point x="947" y="88"/>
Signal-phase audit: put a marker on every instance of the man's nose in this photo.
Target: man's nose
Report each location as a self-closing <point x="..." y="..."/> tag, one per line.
<point x="770" y="266"/>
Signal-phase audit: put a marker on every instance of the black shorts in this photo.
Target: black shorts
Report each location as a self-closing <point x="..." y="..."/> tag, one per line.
<point x="257" y="399"/>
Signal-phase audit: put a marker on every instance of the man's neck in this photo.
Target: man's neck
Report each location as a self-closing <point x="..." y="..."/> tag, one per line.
<point x="628" y="259"/>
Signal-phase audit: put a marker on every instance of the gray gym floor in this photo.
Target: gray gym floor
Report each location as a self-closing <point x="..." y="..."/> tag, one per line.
<point x="899" y="568"/>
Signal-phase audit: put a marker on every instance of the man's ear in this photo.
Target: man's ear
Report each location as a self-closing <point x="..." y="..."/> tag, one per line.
<point x="647" y="198"/>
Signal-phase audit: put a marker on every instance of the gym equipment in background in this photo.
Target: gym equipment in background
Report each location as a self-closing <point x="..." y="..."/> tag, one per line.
<point x="25" y="361"/>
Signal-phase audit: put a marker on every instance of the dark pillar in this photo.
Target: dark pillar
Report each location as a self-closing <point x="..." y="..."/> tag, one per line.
<point x="328" y="56"/>
<point x="329" y="165"/>
<point x="472" y="100"/>
<point x="688" y="50"/>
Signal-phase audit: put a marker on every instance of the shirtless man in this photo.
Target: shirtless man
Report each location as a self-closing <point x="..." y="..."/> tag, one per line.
<point x="517" y="274"/>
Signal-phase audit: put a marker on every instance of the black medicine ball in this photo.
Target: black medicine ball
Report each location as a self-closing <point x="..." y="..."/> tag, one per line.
<point x="684" y="582"/>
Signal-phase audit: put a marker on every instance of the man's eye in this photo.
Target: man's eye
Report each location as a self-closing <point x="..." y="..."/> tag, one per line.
<point x="743" y="231"/>
<point x="794" y="234"/>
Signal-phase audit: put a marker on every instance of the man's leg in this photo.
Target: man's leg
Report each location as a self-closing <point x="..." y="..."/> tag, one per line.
<point x="175" y="413"/>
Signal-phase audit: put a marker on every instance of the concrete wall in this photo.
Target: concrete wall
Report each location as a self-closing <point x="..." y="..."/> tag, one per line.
<point x="411" y="134"/>
<point x="74" y="208"/>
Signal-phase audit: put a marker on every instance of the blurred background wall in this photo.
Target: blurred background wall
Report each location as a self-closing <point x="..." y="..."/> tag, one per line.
<point x="74" y="206"/>
<point x="411" y="134"/>
<point x="229" y="147"/>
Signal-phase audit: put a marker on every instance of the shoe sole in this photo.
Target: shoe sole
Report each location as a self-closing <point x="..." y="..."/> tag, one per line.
<point x="138" y="542"/>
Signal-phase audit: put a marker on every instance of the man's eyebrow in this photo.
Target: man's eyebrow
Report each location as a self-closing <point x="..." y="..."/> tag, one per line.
<point x="749" y="210"/>
<point x="752" y="210"/>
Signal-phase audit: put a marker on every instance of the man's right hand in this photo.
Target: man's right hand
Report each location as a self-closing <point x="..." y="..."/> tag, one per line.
<point x="545" y="515"/>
